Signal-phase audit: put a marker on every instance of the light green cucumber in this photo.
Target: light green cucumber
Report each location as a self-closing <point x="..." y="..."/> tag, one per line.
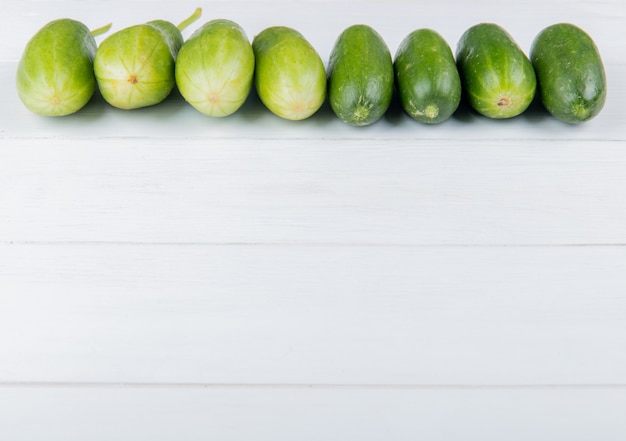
<point x="55" y="72"/>
<point x="427" y="78"/>
<point x="134" y="67"/>
<point x="290" y="78"/>
<point x="215" y="67"/>
<point x="497" y="76"/>
<point x="570" y="73"/>
<point x="360" y="76"/>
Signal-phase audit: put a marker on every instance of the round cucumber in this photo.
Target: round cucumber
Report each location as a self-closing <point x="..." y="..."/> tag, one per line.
<point x="360" y="76"/>
<point x="55" y="73"/>
<point x="497" y="76"/>
<point x="570" y="73"/>
<point x="427" y="77"/>
<point x="134" y="67"/>
<point x="215" y="67"/>
<point x="289" y="74"/>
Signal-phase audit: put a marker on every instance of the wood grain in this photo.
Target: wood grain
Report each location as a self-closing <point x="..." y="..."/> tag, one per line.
<point x="310" y="414"/>
<point x="312" y="191"/>
<point x="275" y="314"/>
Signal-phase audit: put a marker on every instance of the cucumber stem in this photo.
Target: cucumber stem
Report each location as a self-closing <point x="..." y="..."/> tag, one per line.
<point x="102" y="30"/>
<point x="193" y="17"/>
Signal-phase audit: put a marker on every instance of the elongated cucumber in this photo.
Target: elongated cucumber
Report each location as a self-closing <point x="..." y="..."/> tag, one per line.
<point x="135" y="66"/>
<point x="570" y="72"/>
<point x="497" y="76"/>
<point x="360" y="76"/>
<point x="427" y="77"/>
<point x="55" y="73"/>
<point x="290" y="78"/>
<point x="215" y="67"/>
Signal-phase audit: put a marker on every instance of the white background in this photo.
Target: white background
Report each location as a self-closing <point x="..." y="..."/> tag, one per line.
<point x="165" y="275"/>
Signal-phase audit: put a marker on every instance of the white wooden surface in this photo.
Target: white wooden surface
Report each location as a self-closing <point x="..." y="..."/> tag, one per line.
<point x="164" y="275"/>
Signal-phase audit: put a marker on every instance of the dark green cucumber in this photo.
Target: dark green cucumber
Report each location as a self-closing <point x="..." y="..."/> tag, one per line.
<point x="570" y="73"/>
<point x="360" y="76"/>
<point x="497" y="76"/>
<point x="427" y="78"/>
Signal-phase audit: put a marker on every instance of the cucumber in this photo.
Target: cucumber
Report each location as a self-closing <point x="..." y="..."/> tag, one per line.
<point x="134" y="67"/>
<point x="215" y="67"/>
<point x="360" y="76"/>
<point x="496" y="75"/>
<point x="570" y="73"/>
<point x="55" y="72"/>
<point x="290" y="78"/>
<point x="427" y="78"/>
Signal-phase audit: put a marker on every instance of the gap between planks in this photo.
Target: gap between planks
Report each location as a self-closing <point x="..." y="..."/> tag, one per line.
<point x="360" y="139"/>
<point x="306" y="244"/>
<point x="302" y="386"/>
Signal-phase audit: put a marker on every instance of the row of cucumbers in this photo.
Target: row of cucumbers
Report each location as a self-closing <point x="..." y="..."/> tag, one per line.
<point x="217" y="66"/>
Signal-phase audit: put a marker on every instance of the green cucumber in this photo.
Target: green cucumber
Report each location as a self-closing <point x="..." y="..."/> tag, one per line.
<point x="55" y="72"/>
<point x="134" y="67"/>
<point x="427" y="78"/>
<point x="215" y="67"/>
<point x="570" y="73"/>
<point x="290" y="78"/>
<point x="497" y="76"/>
<point x="360" y="76"/>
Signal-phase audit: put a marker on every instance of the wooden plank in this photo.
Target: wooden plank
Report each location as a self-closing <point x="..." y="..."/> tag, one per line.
<point x="312" y="191"/>
<point x="313" y="314"/>
<point x="310" y="414"/>
<point x="166" y="275"/>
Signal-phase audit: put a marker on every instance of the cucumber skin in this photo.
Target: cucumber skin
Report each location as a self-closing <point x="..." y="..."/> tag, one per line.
<point x="570" y="73"/>
<point x="427" y="78"/>
<point x="360" y="76"/>
<point x="497" y="77"/>
<point x="216" y="56"/>
<point x="171" y="34"/>
<point x="290" y="78"/>
<point x="57" y="59"/>
<point x="124" y="53"/>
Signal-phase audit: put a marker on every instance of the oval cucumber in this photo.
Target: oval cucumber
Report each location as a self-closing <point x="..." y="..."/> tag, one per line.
<point x="427" y="77"/>
<point x="55" y="73"/>
<point x="290" y="78"/>
<point x="570" y="73"/>
<point x="360" y="76"/>
<point x="215" y="67"/>
<point x="134" y="67"/>
<point x="497" y="77"/>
